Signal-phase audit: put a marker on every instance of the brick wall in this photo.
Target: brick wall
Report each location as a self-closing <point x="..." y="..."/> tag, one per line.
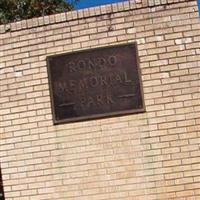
<point x="153" y="155"/>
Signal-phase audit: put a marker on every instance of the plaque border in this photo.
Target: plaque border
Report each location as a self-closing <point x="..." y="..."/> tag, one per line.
<point x="96" y="116"/>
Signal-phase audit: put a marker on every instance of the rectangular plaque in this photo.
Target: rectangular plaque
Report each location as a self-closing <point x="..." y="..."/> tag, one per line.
<point x="1" y="187"/>
<point x="95" y="83"/>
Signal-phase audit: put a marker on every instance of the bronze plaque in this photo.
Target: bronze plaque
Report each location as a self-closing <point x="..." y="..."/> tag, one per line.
<point x="95" y="83"/>
<point x="1" y="187"/>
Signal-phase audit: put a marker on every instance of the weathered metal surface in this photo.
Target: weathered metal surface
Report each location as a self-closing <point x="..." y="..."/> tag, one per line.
<point x="1" y="187"/>
<point x="95" y="83"/>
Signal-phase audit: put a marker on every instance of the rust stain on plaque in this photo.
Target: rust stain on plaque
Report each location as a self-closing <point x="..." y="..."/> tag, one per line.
<point x="95" y="83"/>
